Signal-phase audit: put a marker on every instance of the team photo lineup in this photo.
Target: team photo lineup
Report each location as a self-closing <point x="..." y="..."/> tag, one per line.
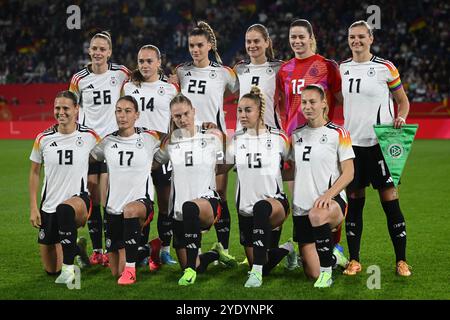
<point x="126" y="140"/>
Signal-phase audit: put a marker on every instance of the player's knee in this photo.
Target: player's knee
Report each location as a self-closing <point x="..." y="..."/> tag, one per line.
<point x="65" y="213"/>
<point x="317" y="217"/>
<point x="190" y="210"/>
<point x="130" y="212"/>
<point x="262" y="208"/>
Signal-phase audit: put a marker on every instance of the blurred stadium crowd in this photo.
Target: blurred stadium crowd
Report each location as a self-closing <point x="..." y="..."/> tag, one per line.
<point x="36" y="45"/>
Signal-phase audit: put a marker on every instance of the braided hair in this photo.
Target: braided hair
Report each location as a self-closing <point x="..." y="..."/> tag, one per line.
<point x="204" y="29"/>
<point x="257" y="96"/>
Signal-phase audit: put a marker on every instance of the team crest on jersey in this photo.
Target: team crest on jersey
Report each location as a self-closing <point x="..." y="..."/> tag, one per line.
<point x="213" y="74"/>
<point x="324" y="139"/>
<point x="269" y="70"/>
<point x="313" y="72"/>
<point x="371" y="72"/>
<point x="41" y="234"/>
<point x="203" y="143"/>
<point x="108" y="243"/>
<point x="79" y="142"/>
<point x="161" y="91"/>
<point x="139" y="144"/>
<point x="269" y="144"/>
<point x="113" y="81"/>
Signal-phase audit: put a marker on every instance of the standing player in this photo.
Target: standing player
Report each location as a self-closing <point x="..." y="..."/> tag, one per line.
<point x="304" y="69"/>
<point x="323" y="166"/>
<point x="98" y="86"/>
<point x="129" y="206"/>
<point x="195" y="204"/>
<point x="260" y="70"/>
<point x="150" y="88"/>
<point x="258" y="152"/>
<point x="204" y="82"/>
<point x="63" y="151"/>
<point x="367" y="84"/>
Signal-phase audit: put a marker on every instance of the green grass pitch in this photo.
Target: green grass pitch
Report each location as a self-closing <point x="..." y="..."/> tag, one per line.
<point x="424" y="195"/>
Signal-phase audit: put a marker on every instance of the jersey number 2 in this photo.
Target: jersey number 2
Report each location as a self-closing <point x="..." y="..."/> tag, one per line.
<point x="306" y="153"/>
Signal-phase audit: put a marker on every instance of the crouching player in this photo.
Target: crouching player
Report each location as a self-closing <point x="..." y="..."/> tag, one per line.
<point x="195" y="203"/>
<point x="323" y="156"/>
<point x="129" y="206"/>
<point x="63" y="151"/>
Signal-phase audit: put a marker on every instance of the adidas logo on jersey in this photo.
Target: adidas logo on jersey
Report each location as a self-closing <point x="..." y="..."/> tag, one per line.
<point x="347" y="73"/>
<point x="114" y="146"/>
<point x="188" y="74"/>
<point x="53" y="144"/>
<point x="90" y="86"/>
<point x="242" y="146"/>
<point x="247" y="70"/>
<point x="135" y="91"/>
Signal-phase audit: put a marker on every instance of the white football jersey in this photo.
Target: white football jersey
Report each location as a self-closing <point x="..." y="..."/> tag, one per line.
<point x="317" y="153"/>
<point x="98" y="94"/>
<point x="129" y="161"/>
<point x="258" y="161"/>
<point x="264" y="76"/>
<point x="366" y="89"/>
<point x="205" y="87"/>
<point x="66" y="163"/>
<point x="154" y="103"/>
<point x="193" y="166"/>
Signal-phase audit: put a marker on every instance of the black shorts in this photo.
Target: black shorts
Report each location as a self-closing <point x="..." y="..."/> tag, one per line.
<point x="370" y="168"/>
<point x="114" y="226"/>
<point x="163" y="175"/>
<point x="303" y="230"/>
<point x="97" y="167"/>
<point x="48" y="231"/>
<point x="114" y="232"/>
<point x="246" y="224"/>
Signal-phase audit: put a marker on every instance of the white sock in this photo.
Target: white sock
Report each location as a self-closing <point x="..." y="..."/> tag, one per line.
<point x="69" y="267"/>
<point x="166" y="249"/>
<point x="287" y="246"/>
<point x="257" y="268"/>
<point x="130" y="264"/>
<point x="225" y="250"/>
<point x="328" y="269"/>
